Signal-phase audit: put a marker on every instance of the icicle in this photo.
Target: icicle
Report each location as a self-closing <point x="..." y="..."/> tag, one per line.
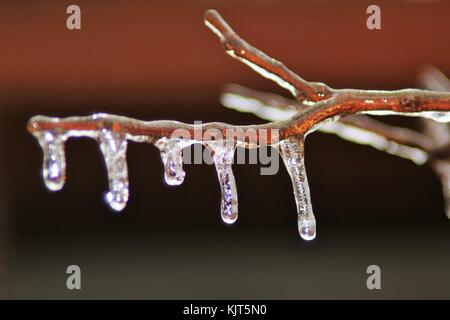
<point x="292" y="151"/>
<point x="114" y="148"/>
<point x="54" y="166"/>
<point x="172" y="158"/>
<point x="223" y="158"/>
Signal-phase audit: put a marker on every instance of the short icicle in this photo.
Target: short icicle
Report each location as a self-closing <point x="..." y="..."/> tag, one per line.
<point x="223" y="159"/>
<point x="54" y="166"/>
<point x="114" y="147"/>
<point x="292" y="151"/>
<point x="172" y="158"/>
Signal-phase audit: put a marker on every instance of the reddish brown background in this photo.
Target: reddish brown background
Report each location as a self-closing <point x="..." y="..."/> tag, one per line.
<point x="155" y="60"/>
<point x="134" y="51"/>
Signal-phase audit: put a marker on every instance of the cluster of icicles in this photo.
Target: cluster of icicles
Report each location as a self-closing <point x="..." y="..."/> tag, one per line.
<point x="113" y="146"/>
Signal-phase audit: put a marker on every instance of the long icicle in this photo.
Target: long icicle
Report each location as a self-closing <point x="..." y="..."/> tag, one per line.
<point x="223" y="154"/>
<point x="292" y="152"/>
<point x="114" y="147"/>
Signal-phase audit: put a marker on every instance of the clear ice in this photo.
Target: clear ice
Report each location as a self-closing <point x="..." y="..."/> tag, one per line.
<point x="54" y="166"/>
<point x="292" y="152"/>
<point x="172" y="158"/>
<point x="223" y="154"/>
<point x="114" y="147"/>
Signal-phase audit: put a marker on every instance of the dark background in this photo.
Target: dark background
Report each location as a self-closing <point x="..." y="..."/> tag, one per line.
<point x="156" y="60"/>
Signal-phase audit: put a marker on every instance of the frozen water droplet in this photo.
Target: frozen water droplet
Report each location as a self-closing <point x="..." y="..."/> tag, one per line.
<point x="114" y="147"/>
<point x="172" y="158"/>
<point x="223" y="159"/>
<point x="307" y="226"/>
<point x="54" y="166"/>
<point x="292" y="152"/>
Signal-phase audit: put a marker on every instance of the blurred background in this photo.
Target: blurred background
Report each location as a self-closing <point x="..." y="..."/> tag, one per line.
<point x="156" y="60"/>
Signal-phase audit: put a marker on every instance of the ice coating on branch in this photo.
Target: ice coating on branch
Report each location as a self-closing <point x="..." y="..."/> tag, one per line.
<point x="223" y="154"/>
<point x="292" y="152"/>
<point x="114" y="147"/>
<point x="54" y="166"/>
<point x="172" y="158"/>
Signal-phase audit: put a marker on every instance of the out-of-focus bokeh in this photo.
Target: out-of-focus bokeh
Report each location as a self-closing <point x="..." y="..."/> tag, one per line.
<point x="156" y="60"/>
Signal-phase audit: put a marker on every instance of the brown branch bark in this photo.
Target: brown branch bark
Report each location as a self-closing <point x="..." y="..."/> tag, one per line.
<point x="262" y="63"/>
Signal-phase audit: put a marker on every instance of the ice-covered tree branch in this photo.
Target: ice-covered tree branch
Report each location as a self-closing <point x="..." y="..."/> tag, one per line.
<point x="315" y="105"/>
<point x="433" y="79"/>
<point x="403" y="142"/>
